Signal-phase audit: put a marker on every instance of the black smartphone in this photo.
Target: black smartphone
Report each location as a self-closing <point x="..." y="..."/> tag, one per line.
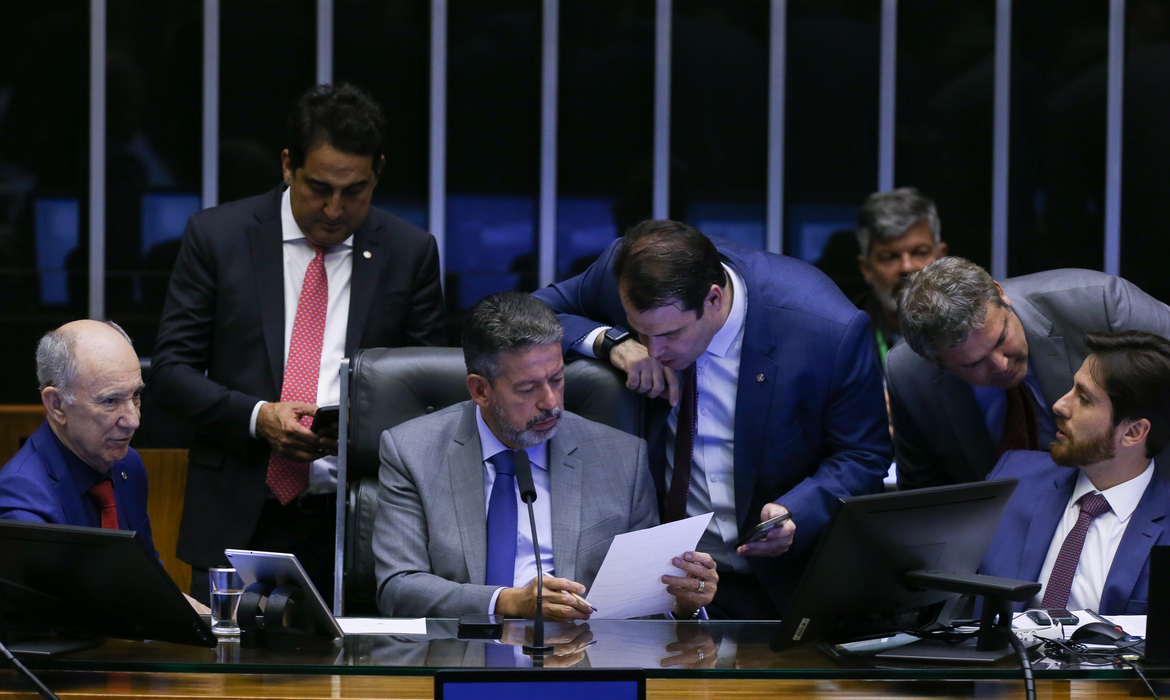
<point x="1058" y="615"/>
<point x="480" y="626"/>
<point x="327" y="416"/>
<point x="761" y="531"/>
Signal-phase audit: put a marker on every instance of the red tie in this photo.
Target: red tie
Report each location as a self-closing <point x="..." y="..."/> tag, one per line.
<point x="286" y="477"/>
<point x="684" y="447"/>
<point x="1020" y="430"/>
<point x="103" y="498"/>
<point x="1061" y="578"/>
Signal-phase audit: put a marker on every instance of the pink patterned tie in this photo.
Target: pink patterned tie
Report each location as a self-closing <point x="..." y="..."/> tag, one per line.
<point x="1061" y="578"/>
<point x="286" y="477"/>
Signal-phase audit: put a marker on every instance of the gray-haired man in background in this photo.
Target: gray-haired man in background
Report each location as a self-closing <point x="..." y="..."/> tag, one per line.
<point x="983" y="363"/>
<point x="898" y="233"/>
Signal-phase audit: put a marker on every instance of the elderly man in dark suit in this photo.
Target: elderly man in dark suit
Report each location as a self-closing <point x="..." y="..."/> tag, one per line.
<point x="784" y="413"/>
<point x="268" y="295"/>
<point x="449" y="538"/>
<point x="983" y="363"/>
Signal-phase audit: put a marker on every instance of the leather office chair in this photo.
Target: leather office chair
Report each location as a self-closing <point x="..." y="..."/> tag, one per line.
<point x="388" y="386"/>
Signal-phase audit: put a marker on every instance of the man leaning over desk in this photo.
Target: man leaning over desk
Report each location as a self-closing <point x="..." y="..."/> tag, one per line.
<point x="451" y="538"/>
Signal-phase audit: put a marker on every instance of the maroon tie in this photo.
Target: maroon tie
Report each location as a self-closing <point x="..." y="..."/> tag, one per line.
<point x="103" y="498"/>
<point x="286" y="477"/>
<point x="1019" y="423"/>
<point x="1061" y="578"/>
<point x="684" y="445"/>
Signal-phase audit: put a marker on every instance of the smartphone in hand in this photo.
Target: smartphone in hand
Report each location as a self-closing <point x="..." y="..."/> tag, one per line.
<point x="761" y="531"/>
<point x="327" y="416"/>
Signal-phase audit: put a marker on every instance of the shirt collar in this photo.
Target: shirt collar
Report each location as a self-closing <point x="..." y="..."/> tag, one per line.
<point x="733" y="326"/>
<point x="491" y="445"/>
<point x="1123" y="498"/>
<point x="290" y="231"/>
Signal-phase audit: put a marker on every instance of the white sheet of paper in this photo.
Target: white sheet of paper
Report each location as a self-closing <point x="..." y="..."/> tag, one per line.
<point x="1134" y="624"/>
<point x="629" y="583"/>
<point x="382" y="625"/>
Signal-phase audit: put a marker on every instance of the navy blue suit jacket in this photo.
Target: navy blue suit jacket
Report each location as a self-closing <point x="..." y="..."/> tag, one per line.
<point x="1021" y="543"/>
<point x="810" y="418"/>
<point x="46" y="483"/>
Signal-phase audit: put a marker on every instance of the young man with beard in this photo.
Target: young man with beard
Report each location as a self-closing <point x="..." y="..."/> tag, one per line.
<point x="1084" y="517"/>
<point x="452" y="536"/>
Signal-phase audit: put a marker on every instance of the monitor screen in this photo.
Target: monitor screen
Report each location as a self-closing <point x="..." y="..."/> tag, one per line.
<point x="506" y="684"/>
<point x="853" y="585"/>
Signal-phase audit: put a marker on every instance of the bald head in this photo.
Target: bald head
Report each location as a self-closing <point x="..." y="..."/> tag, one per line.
<point x="90" y="386"/>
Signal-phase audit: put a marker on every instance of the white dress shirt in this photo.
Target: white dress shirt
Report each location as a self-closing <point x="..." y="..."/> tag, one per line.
<point x="298" y="253"/>
<point x="525" y="569"/>
<point x="1101" y="541"/>
<point x="713" y="460"/>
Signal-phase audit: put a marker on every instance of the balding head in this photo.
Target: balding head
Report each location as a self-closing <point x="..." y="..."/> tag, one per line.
<point x="90" y="386"/>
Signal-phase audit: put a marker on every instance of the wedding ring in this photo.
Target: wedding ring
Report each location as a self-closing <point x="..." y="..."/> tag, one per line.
<point x="702" y="587"/>
<point x="700" y="656"/>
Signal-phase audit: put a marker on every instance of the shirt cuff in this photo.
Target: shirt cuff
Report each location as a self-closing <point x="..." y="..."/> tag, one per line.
<point x="255" y="413"/>
<point x="492" y="604"/>
<point x="585" y="345"/>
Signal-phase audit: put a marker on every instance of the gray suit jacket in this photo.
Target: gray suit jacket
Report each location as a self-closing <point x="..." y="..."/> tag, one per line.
<point x="939" y="433"/>
<point x="430" y="536"/>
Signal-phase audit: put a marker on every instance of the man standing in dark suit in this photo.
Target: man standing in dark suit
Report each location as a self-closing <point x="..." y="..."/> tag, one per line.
<point x="268" y="295"/>
<point x="1084" y="518"/>
<point x="983" y="363"/>
<point x="781" y="392"/>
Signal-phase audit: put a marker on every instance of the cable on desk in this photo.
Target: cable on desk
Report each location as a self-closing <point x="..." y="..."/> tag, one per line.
<point x="1140" y="675"/>
<point x="41" y="687"/>
<point x="1025" y="663"/>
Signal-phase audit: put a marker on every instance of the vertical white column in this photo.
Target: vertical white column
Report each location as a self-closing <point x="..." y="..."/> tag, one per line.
<point x="324" y="41"/>
<point x="1113" y="117"/>
<point x="777" y="67"/>
<point x="210" y="103"/>
<point x="437" y="217"/>
<point x="886" y="102"/>
<point x="1000" y="139"/>
<point x="550" y="48"/>
<point x="97" y="159"/>
<point x="662" y="30"/>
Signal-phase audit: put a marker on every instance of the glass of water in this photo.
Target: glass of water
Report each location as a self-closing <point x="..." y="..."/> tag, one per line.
<point x="226" y="590"/>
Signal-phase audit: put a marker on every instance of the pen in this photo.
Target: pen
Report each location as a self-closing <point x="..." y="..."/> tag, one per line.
<point x="585" y="602"/>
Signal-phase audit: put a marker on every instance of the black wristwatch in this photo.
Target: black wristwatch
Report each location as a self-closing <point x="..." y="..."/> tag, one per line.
<point x="613" y="337"/>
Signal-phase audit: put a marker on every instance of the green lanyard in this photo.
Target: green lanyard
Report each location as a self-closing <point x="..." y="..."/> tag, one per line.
<point x="882" y="347"/>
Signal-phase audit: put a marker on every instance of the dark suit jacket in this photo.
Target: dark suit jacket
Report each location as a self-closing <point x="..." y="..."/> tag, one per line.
<point x="1025" y="533"/>
<point x="46" y="483"/>
<point x="940" y="436"/>
<point x="810" y="420"/>
<point x="220" y="346"/>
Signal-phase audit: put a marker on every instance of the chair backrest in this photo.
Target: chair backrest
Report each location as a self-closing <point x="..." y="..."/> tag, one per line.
<point x="388" y="386"/>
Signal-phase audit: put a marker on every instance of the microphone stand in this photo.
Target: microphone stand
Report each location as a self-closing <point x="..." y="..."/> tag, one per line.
<point x="523" y="470"/>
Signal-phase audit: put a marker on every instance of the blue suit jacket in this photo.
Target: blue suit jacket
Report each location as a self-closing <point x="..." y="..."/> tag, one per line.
<point x="46" y="483"/>
<point x="810" y="418"/>
<point x="1021" y="543"/>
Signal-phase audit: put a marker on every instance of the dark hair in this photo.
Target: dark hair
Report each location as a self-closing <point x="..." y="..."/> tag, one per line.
<point x="506" y="322"/>
<point x="1133" y="367"/>
<point x="343" y="116"/>
<point x="666" y="262"/>
<point x="942" y="303"/>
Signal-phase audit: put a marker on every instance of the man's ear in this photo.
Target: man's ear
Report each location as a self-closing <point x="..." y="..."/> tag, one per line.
<point x="1134" y="432"/>
<point x="54" y="403"/>
<point x="478" y="387"/>
<point x="942" y="250"/>
<point x="286" y="167"/>
<point x="1001" y="294"/>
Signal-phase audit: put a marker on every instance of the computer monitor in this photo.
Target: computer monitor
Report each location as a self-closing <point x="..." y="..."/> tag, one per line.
<point x="61" y="578"/>
<point x="855" y="585"/>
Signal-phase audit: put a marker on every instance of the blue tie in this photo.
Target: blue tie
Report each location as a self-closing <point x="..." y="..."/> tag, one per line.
<point x="501" y="523"/>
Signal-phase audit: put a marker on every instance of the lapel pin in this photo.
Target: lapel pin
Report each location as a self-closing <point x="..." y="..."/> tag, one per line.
<point x="367" y="255"/>
<point x="759" y="377"/>
<point x="124" y="477"/>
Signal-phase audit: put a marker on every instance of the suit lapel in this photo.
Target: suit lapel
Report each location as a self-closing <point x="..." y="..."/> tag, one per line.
<point x="967" y="423"/>
<point x="63" y="485"/>
<point x="1048" y="509"/>
<point x="1047" y="353"/>
<point x="1144" y="529"/>
<point x="368" y="240"/>
<point x="265" y="239"/>
<point x="565" y="483"/>
<point x="465" y="469"/>
<point x="757" y="382"/>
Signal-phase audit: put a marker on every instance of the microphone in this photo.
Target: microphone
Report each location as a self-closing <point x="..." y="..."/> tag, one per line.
<point x="522" y="467"/>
